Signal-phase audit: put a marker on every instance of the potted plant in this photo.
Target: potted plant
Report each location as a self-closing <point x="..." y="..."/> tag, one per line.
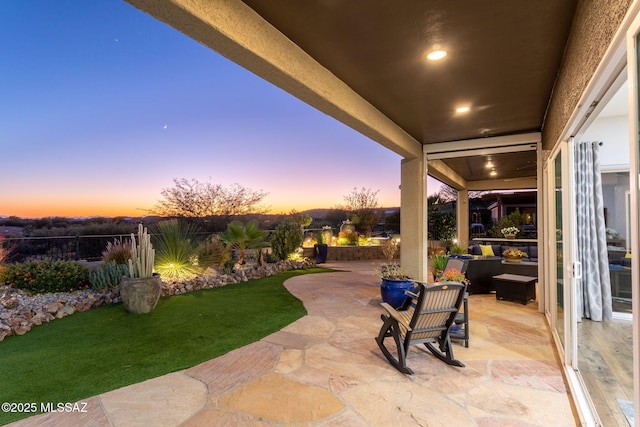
<point x="321" y="249"/>
<point x="393" y="280"/>
<point x="453" y="275"/>
<point x="438" y="262"/>
<point x="510" y="232"/>
<point x="513" y="255"/>
<point x="141" y="289"/>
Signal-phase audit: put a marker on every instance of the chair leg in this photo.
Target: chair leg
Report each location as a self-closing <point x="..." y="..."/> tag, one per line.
<point x="390" y="328"/>
<point x="445" y="353"/>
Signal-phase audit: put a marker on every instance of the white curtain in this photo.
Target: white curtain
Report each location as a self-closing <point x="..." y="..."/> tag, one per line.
<point x="594" y="290"/>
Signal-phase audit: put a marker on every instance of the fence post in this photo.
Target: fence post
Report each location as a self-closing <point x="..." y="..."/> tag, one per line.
<point x="77" y="247"/>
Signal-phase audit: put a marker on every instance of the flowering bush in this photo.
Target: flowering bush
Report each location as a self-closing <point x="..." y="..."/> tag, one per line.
<point x="514" y="253"/>
<point x="46" y="276"/>
<point x="452" y="275"/>
<point x="510" y="230"/>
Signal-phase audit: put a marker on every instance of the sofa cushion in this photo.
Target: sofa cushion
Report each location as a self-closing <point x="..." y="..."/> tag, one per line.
<point x="486" y="250"/>
<point x="533" y="253"/>
<point x="475" y="250"/>
<point x="497" y="250"/>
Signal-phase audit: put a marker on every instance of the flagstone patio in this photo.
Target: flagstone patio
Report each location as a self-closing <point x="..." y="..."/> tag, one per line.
<point x="326" y="370"/>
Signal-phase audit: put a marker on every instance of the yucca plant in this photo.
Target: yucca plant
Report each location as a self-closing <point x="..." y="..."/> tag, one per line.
<point x="241" y="237"/>
<point x="176" y="246"/>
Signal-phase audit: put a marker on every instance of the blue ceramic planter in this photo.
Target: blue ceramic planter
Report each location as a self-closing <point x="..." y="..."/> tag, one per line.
<point x="392" y="291"/>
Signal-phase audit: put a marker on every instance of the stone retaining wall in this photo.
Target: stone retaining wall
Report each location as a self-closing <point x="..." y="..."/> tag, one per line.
<point x="19" y="311"/>
<point x="351" y="253"/>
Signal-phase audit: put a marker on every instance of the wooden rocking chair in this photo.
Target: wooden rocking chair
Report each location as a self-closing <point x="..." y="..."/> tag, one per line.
<point x="425" y="318"/>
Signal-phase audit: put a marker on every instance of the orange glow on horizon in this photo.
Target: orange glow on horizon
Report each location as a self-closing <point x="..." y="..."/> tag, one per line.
<point x="83" y="209"/>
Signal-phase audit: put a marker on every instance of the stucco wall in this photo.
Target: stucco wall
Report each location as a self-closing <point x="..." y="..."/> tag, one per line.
<point x="593" y="28"/>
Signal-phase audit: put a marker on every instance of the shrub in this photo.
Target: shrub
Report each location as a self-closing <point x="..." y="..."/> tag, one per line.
<point x="108" y="276"/>
<point x="514" y="219"/>
<point x="46" y="276"/>
<point x="286" y="238"/>
<point x="5" y="252"/>
<point x="441" y="225"/>
<point x="118" y="252"/>
<point x="213" y="252"/>
<point x="240" y="237"/>
<point x="176" y="250"/>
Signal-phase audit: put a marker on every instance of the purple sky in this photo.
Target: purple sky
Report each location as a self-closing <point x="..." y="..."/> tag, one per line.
<point x="102" y="106"/>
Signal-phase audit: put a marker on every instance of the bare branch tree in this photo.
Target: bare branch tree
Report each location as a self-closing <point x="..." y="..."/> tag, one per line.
<point x="362" y="199"/>
<point x="362" y="204"/>
<point x="195" y="199"/>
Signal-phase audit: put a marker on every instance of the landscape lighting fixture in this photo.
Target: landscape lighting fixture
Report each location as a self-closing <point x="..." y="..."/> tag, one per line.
<point x="436" y="55"/>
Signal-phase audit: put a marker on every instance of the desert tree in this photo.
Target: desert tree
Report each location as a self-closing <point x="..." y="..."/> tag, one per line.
<point x="361" y="204"/>
<point x="203" y="201"/>
<point x="299" y="218"/>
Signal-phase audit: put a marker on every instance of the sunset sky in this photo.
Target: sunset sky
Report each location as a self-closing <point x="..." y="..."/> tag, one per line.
<point x="102" y="106"/>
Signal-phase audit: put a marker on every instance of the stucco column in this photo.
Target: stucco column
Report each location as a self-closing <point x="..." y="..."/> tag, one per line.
<point x="462" y="218"/>
<point x="413" y="217"/>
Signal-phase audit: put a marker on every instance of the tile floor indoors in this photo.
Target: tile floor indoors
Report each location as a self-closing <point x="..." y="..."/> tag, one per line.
<point x="326" y="370"/>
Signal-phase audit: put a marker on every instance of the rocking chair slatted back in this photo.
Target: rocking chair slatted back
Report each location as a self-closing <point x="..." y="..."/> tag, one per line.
<point x="457" y="263"/>
<point x="437" y="307"/>
<point x="426" y="320"/>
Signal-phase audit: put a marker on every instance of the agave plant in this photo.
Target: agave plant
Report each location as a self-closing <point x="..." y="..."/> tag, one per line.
<point x="241" y="237"/>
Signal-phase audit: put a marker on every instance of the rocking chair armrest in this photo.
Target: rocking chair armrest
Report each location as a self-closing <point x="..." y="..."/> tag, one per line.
<point x="393" y="313"/>
<point x="411" y="294"/>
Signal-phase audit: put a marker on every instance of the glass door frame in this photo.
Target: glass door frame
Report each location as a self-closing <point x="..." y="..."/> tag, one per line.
<point x="568" y="343"/>
<point x="633" y="72"/>
<point x="569" y="334"/>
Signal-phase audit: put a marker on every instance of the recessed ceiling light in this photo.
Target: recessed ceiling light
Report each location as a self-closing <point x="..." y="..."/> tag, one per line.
<point x="493" y="173"/>
<point x="462" y="109"/>
<point x="489" y="164"/>
<point x="436" y="55"/>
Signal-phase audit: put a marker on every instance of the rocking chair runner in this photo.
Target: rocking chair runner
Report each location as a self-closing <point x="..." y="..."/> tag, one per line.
<point x="426" y="318"/>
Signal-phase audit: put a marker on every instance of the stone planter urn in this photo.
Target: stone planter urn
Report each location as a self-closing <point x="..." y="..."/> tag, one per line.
<point x="513" y="259"/>
<point x="140" y="290"/>
<point x="509" y="236"/>
<point x="140" y="294"/>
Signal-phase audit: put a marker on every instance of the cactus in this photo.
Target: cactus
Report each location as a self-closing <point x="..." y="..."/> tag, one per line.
<point x="107" y="277"/>
<point x="142" y="254"/>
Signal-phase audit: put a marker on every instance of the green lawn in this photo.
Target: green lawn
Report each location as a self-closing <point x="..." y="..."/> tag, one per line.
<point x="89" y="353"/>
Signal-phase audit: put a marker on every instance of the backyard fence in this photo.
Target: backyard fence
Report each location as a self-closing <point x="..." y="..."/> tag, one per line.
<point x="87" y="247"/>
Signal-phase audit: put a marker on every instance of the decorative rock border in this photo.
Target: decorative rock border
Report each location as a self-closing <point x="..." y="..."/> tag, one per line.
<point x="19" y="312"/>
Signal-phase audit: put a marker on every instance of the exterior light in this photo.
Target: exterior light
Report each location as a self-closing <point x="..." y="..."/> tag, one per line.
<point x="462" y="109"/>
<point x="489" y="165"/>
<point x="493" y="173"/>
<point x="436" y="55"/>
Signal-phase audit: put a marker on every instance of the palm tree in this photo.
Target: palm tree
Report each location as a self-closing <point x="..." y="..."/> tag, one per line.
<point x="241" y="237"/>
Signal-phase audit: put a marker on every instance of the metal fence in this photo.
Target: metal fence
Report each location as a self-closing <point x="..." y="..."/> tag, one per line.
<point x="88" y="247"/>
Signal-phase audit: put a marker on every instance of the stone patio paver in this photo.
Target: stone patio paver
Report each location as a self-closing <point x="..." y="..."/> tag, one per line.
<point x="326" y="370"/>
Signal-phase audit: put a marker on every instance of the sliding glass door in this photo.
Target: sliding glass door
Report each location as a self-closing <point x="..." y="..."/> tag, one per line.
<point x="559" y="258"/>
<point x="633" y="200"/>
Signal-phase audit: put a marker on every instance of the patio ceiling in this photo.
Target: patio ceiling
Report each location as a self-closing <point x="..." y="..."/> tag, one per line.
<point x="502" y="60"/>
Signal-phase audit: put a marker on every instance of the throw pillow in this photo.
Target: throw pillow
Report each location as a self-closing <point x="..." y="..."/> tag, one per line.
<point x="486" y="250"/>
